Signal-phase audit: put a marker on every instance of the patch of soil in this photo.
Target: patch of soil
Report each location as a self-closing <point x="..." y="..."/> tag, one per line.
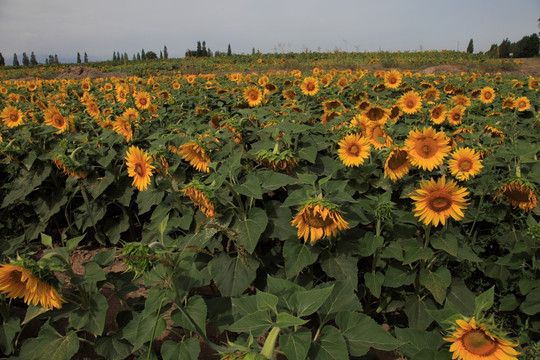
<point x="82" y="72"/>
<point x="443" y="69"/>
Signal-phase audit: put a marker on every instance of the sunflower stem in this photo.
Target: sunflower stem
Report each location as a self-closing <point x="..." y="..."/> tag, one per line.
<point x="270" y="342"/>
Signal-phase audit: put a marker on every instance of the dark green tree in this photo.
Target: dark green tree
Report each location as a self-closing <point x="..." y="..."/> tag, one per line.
<point x="85" y="57"/>
<point x="138" y="56"/>
<point x="2" y="60"/>
<point x="25" y="59"/>
<point x="229" y="52"/>
<point x="143" y="55"/>
<point x="528" y="46"/>
<point x="15" y="60"/>
<point x="151" y="55"/>
<point x="114" y="56"/>
<point x="204" y="51"/>
<point x="165" y="52"/>
<point x="505" y="48"/>
<point x="56" y="59"/>
<point x="199" y="49"/>
<point x="160" y="54"/>
<point x="79" y="58"/>
<point x="470" y="47"/>
<point x="33" y="60"/>
<point x="134" y="57"/>
<point x="125" y="57"/>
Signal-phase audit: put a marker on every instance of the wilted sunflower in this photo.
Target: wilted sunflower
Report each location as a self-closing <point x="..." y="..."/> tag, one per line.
<point x="397" y="164"/>
<point x="410" y="102"/>
<point x="54" y="118"/>
<point x="310" y="86"/>
<point x="436" y="201"/>
<point x="318" y="219"/>
<point x="142" y="100"/>
<point x="472" y="341"/>
<point x="392" y="79"/>
<point x="487" y="95"/>
<point x="353" y="149"/>
<point x="139" y="166"/>
<point x="523" y="103"/>
<point x="465" y="163"/>
<point x="331" y="105"/>
<point x="282" y="161"/>
<point x="195" y="154"/>
<point x="438" y="114"/>
<point x="253" y="95"/>
<point x="25" y="279"/>
<point x="12" y="116"/>
<point x="201" y="197"/>
<point x="519" y="193"/>
<point x="427" y="148"/>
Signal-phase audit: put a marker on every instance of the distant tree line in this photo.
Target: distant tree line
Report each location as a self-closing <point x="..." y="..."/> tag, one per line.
<point x="202" y="51"/>
<point x="528" y="46"/>
<point x="143" y="55"/>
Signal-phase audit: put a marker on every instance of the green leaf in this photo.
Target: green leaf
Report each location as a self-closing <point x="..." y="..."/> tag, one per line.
<point x="286" y="319"/>
<point x="416" y="340"/>
<point x="341" y="267"/>
<point x="447" y="242"/>
<point x="308" y="301"/>
<point x="96" y="185"/>
<point x="296" y="345"/>
<point x="296" y="197"/>
<point x="51" y="343"/>
<point x="33" y="312"/>
<point x="251" y="228"/>
<point x="484" y="301"/>
<point x="397" y="277"/>
<point x="91" y="319"/>
<point x="531" y="305"/>
<point x="71" y="244"/>
<point x="93" y="273"/>
<point x="417" y="311"/>
<point x="266" y="301"/>
<point x="8" y="330"/>
<point x="139" y="330"/>
<point x="436" y="282"/>
<point x="297" y="256"/>
<point x="413" y="253"/>
<point x="308" y="153"/>
<point x="104" y="258"/>
<point x="233" y="275"/>
<point x="188" y="349"/>
<point x="256" y="323"/>
<point x="112" y="348"/>
<point x="342" y="298"/>
<point x="508" y="303"/>
<point x="368" y="244"/>
<point x="27" y="182"/>
<point x="250" y="188"/>
<point x="46" y="240"/>
<point x="374" y="282"/>
<point x="272" y="180"/>
<point x="196" y="309"/>
<point x="148" y="198"/>
<point x="363" y="333"/>
<point x="330" y="346"/>
<point x="461" y="297"/>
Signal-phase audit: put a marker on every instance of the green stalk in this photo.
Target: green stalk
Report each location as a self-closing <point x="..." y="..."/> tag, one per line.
<point x="270" y="342"/>
<point x="154" y="328"/>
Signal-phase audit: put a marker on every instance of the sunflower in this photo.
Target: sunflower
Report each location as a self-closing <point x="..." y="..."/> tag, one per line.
<point x="438" y="113"/>
<point x="282" y="161"/>
<point x="472" y="341"/>
<point x="331" y="105"/>
<point x="509" y="103"/>
<point x="436" y="201"/>
<point x="22" y="279"/>
<point x="122" y="126"/>
<point x="377" y="114"/>
<point x="461" y="100"/>
<point x="377" y="135"/>
<point x="12" y="116"/>
<point x="465" y="163"/>
<point x="318" y="219"/>
<point x="410" y="102"/>
<point x="195" y="154"/>
<point x="253" y="95"/>
<point x="93" y="109"/>
<point x="523" y="103"/>
<point x="142" y="100"/>
<point x="431" y="93"/>
<point x="139" y="167"/>
<point x="487" y="95"/>
<point x="397" y="164"/>
<point x="519" y="193"/>
<point x="54" y="118"/>
<point x="353" y="149"/>
<point x="121" y="93"/>
<point x="289" y="94"/>
<point x="392" y="79"/>
<point x="310" y="86"/>
<point x="427" y="148"/>
<point x="201" y="198"/>
<point x="455" y="115"/>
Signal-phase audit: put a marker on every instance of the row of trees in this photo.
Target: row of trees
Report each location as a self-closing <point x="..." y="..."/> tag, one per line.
<point x="202" y="51"/>
<point x="149" y="55"/>
<point x="30" y="61"/>
<point x="528" y="46"/>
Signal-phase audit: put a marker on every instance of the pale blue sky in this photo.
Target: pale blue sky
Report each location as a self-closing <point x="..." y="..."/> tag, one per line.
<point x="101" y="27"/>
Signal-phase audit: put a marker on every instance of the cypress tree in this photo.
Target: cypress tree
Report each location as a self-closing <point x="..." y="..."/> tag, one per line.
<point x="79" y="58"/>
<point x="114" y="56"/>
<point x="229" y="52"/>
<point x="15" y="60"/>
<point x="470" y="47"/>
<point x="25" y="59"/>
<point x="160" y="54"/>
<point x="85" y="57"/>
<point x="143" y="55"/>
<point x="126" y="57"/>
<point x="2" y="60"/>
<point x="56" y="59"/>
<point x="33" y="60"/>
<point x="165" y="53"/>
<point x="138" y="56"/>
<point x="199" y="49"/>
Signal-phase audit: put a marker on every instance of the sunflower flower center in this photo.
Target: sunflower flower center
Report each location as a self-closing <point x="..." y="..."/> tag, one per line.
<point x="410" y="103"/>
<point x="426" y="147"/>
<point x="354" y="150"/>
<point x="517" y="195"/>
<point x="139" y="170"/>
<point x="13" y="117"/>
<point x="58" y="121"/>
<point x="310" y="86"/>
<point x="375" y="114"/>
<point x="465" y="165"/>
<point x="397" y="160"/>
<point x="478" y="343"/>
<point x="16" y="276"/>
<point x="439" y="201"/>
<point x="317" y="221"/>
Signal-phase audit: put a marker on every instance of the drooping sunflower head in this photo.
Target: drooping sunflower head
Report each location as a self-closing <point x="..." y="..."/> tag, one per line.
<point x="427" y="148"/>
<point x="11" y="116"/>
<point x="353" y="149"/>
<point x="397" y="164"/>
<point x="139" y="167"/>
<point x="318" y="219"/>
<point x="437" y="200"/>
<point x="277" y="161"/>
<point x="331" y="105"/>
<point x="253" y="95"/>
<point x="392" y="79"/>
<point x="410" y="102"/>
<point x="310" y="86"/>
<point x="195" y="154"/>
<point x="465" y="163"/>
<point x="519" y="193"/>
<point x="201" y="197"/>
<point x="479" y="341"/>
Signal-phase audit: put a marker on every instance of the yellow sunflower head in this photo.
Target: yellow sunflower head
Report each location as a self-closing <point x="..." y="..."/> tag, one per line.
<point x="54" y="118"/>
<point x="455" y="115"/>
<point x="377" y="135"/>
<point x="487" y="95"/>
<point x="523" y="103"/>
<point x="465" y="163"/>
<point x="11" y="116"/>
<point x="318" y="219"/>
<point x="142" y="100"/>
<point x="427" y="148"/>
<point x="253" y="95"/>
<point x="122" y="126"/>
<point x="139" y="166"/>
<point x="410" y="102"/>
<point x="397" y="164"/>
<point x="392" y="79"/>
<point x="509" y="103"/>
<point x="478" y="341"/>
<point x="196" y="155"/>
<point x="310" y="86"/>
<point x="436" y="201"/>
<point x="354" y="149"/>
<point x="438" y="113"/>
<point x="519" y="193"/>
<point x="201" y="197"/>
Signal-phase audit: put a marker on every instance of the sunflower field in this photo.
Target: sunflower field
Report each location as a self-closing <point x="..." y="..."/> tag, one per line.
<point x="249" y="213"/>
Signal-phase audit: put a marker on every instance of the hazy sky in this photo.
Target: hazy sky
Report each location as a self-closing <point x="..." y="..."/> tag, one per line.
<point x="101" y="27"/>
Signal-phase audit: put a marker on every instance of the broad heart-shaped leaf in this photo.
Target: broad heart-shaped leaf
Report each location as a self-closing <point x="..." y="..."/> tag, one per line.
<point x="272" y="180"/>
<point x="188" y="349"/>
<point x="436" y="282"/>
<point x="112" y="348"/>
<point x="415" y="340"/>
<point x="196" y="309"/>
<point x="139" y="330"/>
<point x="363" y="333"/>
<point x="286" y="319"/>
<point x="250" y="188"/>
<point x="91" y="319"/>
<point x="26" y="183"/>
<point x="341" y="267"/>
<point x="484" y="301"/>
<point x="308" y="301"/>
<point x="461" y="298"/>
<point x="447" y="242"/>
<point x="8" y="330"/>
<point x="297" y="256"/>
<point x="374" y="282"/>
<point x="233" y="274"/>
<point x="342" y="298"/>
<point x="266" y="301"/>
<point x="296" y="345"/>
<point x="51" y="345"/>
<point x="256" y="323"/>
<point x="329" y="346"/>
<point x="531" y="305"/>
<point x="417" y="311"/>
<point x="250" y="229"/>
